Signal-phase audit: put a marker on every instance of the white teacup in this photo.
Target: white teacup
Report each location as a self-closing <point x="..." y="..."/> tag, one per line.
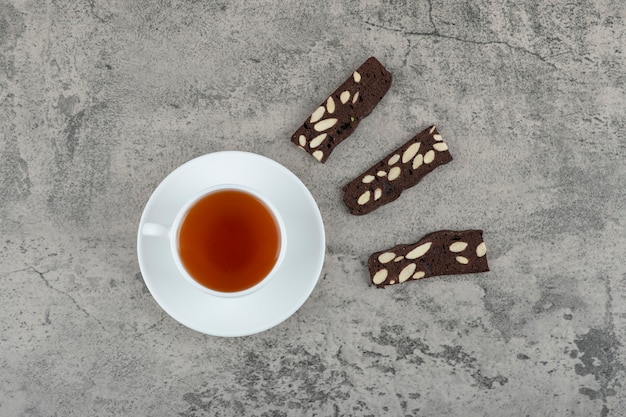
<point x="172" y="232"/>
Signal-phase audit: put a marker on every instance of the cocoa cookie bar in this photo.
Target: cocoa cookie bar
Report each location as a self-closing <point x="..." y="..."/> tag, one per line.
<point x="337" y="118"/>
<point x="446" y="252"/>
<point x="401" y="169"/>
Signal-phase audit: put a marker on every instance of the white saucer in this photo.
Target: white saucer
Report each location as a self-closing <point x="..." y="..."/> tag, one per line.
<point x="270" y="305"/>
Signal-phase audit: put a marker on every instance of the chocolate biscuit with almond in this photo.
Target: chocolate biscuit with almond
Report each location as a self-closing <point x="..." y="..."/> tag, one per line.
<point x="401" y="169"/>
<point x="446" y="252"/>
<point x="339" y="115"/>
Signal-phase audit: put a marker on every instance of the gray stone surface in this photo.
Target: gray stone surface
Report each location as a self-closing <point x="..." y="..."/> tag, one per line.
<point x="101" y="99"/>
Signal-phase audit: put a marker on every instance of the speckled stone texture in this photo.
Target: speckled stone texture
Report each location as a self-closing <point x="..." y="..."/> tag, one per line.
<point x="101" y="99"/>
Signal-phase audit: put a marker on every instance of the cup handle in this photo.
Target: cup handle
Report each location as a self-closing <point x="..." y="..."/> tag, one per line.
<point x="156" y="230"/>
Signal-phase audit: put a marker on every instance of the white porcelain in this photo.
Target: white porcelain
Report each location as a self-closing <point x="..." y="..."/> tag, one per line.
<point x="171" y="232"/>
<point x="279" y="297"/>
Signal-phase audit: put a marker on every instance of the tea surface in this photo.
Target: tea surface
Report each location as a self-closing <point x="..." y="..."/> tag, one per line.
<point x="229" y="241"/>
